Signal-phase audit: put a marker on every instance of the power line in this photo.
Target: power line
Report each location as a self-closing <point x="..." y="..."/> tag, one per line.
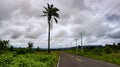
<point x="89" y="25"/>
<point x="104" y="10"/>
<point x="99" y="20"/>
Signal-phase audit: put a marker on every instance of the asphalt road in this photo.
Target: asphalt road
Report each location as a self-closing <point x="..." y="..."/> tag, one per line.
<point x="68" y="60"/>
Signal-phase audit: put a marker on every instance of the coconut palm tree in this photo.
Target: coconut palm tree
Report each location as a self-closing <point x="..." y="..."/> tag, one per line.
<point x="30" y="45"/>
<point x="50" y="12"/>
<point x="4" y="44"/>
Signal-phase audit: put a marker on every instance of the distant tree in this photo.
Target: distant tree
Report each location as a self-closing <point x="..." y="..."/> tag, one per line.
<point x="79" y="47"/>
<point x="106" y="44"/>
<point x="97" y="51"/>
<point x="4" y="44"/>
<point x="1" y="44"/>
<point x="11" y="48"/>
<point x="30" y="46"/>
<point x="114" y="46"/>
<point x="22" y="50"/>
<point x="37" y="49"/>
<point x="107" y="50"/>
<point x="118" y="46"/>
<point x="50" y="12"/>
<point x="92" y="47"/>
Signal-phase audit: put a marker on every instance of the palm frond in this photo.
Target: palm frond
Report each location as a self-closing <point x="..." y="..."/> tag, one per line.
<point x="51" y="12"/>
<point x="56" y="15"/>
<point x="45" y="12"/>
<point x="45" y="8"/>
<point x="48" y="5"/>
<point x="51" y="5"/>
<point x="56" y="9"/>
<point x="43" y="15"/>
<point x="55" y="20"/>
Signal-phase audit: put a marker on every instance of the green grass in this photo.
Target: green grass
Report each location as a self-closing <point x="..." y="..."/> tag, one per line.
<point x="113" y="58"/>
<point x="36" y="59"/>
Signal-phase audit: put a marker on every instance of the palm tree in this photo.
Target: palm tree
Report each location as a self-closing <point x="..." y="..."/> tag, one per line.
<point x="4" y="44"/>
<point x="50" y="12"/>
<point x="30" y="45"/>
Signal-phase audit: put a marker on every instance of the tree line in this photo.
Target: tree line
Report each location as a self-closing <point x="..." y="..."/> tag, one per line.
<point x="107" y="49"/>
<point x="5" y="46"/>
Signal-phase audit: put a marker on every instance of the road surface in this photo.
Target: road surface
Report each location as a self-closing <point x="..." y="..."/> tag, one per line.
<point x="68" y="60"/>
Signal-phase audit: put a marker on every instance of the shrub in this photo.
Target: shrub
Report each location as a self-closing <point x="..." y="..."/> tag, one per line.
<point x="97" y="51"/>
<point x="21" y="50"/>
<point x="107" y="50"/>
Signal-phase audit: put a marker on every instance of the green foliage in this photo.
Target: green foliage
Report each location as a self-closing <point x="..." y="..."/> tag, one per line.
<point x="4" y="44"/>
<point x="1" y="51"/>
<point x="21" y="50"/>
<point x="107" y="50"/>
<point x="30" y="46"/>
<point x="25" y="57"/>
<point x="37" y="49"/>
<point x="118" y="45"/>
<point x="115" y="47"/>
<point x="51" y="11"/>
<point x="11" y="48"/>
<point x="97" y="51"/>
<point x="12" y="59"/>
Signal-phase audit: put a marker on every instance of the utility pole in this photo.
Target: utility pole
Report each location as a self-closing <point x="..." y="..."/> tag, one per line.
<point x="76" y="43"/>
<point x="81" y="42"/>
<point x="71" y="44"/>
<point x="67" y="45"/>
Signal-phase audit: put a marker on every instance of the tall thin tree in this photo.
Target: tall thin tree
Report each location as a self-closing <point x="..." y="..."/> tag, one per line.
<point x="50" y="12"/>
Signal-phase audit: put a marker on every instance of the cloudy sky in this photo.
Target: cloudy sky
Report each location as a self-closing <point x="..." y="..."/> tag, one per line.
<point x="97" y="20"/>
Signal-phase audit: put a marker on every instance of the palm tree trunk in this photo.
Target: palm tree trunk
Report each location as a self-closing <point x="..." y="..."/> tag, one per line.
<point x="48" y="36"/>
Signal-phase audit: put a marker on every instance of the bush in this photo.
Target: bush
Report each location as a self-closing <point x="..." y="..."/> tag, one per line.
<point x="21" y="50"/>
<point x="115" y="51"/>
<point x="11" y="59"/>
<point x="97" y="51"/>
<point x="1" y="51"/>
<point x="107" y="50"/>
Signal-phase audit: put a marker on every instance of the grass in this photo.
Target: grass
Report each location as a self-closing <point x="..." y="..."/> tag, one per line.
<point x="36" y="59"/>
<point x="113" y="58"/>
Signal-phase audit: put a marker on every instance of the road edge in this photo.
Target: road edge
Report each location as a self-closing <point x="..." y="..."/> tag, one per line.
<point x="58" y="62"/>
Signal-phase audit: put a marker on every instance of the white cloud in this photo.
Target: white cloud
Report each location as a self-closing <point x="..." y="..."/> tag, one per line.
<point x="98" y="20"/>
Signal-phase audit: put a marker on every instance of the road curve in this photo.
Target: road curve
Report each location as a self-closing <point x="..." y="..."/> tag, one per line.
<point x="68" y="60"/>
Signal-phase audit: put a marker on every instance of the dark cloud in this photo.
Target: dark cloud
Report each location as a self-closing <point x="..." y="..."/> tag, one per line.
<point x="113" y="17"/>
<point x="114" y="34"/>
<point x="15" y="35"/>
<point x="6" y="7"/>
<point x="96" y="19"/>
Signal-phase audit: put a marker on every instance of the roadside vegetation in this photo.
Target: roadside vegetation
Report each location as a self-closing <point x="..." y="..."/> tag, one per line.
<point x="108" y="53"/>
<point x="26" y="57"/>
